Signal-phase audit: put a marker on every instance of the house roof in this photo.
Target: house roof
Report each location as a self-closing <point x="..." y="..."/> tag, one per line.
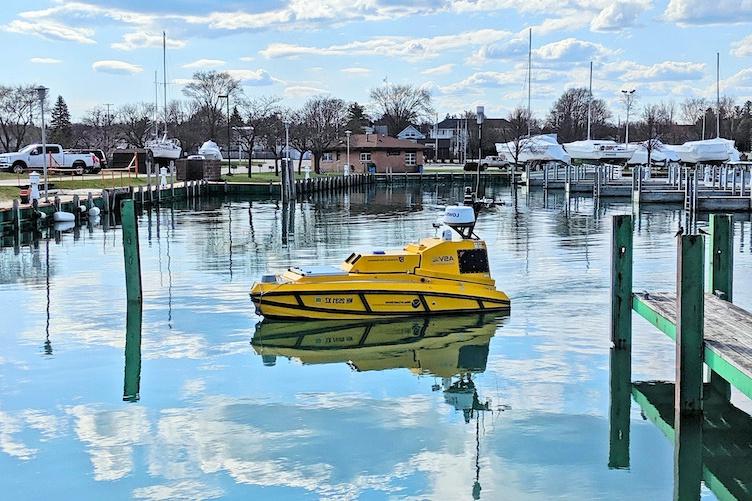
<point x="376" y="142"/>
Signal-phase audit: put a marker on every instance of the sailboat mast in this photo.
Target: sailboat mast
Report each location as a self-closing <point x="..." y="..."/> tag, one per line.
<point x="156" y="105"/>
<point x="590" y="100"/>
<point x="164" y="74"/>
<point x="529" y="79"/>
<point x="717" y="94"/>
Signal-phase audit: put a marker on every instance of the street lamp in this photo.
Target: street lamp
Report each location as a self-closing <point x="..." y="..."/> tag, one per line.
<point x="628" y="98"/>
<point x="229" y="163"/>
<point x="42" y="94"/>
<point x="347" y="133"/>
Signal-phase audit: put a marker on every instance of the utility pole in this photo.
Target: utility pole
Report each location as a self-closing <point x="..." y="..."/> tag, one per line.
<point x="529" y="79"/>
<point x="479" y="113"/>
<point x="229" y="162"/>
<point x="717" y="94"/>
<point x="590" y="100"/>
<point x="107" y="127"/>
<point x="436" y="140"/>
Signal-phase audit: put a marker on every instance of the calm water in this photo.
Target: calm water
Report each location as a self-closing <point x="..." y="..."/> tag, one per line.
<point x="497" y="407"/>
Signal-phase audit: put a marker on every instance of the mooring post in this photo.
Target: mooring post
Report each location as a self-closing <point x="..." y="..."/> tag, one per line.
<point x="720" y="263"/>
<point x="690" y="318"/>
<point x="134" y="297"/>
<point x="76" y="209"/>
<point x="621" y="282"/>
<point x="106" y="200"/>
<point x="620" y="381"/>
<point x="688" y="450"/>
<point x="16" y="215"/>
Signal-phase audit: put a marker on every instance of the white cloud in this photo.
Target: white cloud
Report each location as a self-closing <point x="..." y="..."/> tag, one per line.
<point x="742" y="48"/>
<point x="442" y="69"/>
<point x="44" y="60"/>
<point x="741" y="79"/>
<point x="204" y="63"/>
<point x="252" y="77"/>
<point x="504" y="50"/>
<point x="704" y="12"/>
<point x="141" y="40"/>
<point x="666" y="71"/>
<point x="246" y="59"/>
<point x="116" y="67"/>
<point x="51" y="30"/>
<point x="356" y="71"/>
<point x="392" y="46"/>
<point x="572" y="50"/>
<point x="302" y="91"/>
<point x="618" y="16"/>
<point x="484" y="79"/>
<point x="185" y="489"/>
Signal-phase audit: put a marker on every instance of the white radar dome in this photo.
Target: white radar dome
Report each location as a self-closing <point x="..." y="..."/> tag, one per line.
<point x="459" y="215"/>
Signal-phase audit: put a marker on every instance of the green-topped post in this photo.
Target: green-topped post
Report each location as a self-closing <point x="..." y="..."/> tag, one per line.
<point x="132" y="260"/>
<point x="621" y="282"/>
<point x="690" y="324"/>
<point x="720" y="263"/>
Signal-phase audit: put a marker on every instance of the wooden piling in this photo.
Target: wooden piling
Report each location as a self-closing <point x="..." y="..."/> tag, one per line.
<point x="76" y="209"/>
<point x="16" y="215"/>
<point x="720" y="263"/>
<point x="621" y="282"/>
<point x="134" y="297"/>
<point x="620" y="382"/>
<point x="106" y="200"/>
<point x="689" y="324"/>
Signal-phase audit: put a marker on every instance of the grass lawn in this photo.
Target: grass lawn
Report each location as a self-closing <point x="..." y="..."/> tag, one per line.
<point x="68" y="183"/>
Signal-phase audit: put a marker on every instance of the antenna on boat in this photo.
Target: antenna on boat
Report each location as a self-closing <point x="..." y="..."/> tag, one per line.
<point x="590" y="100"/>
<point x="717" y="94"/>
<point x="529" y="78"/>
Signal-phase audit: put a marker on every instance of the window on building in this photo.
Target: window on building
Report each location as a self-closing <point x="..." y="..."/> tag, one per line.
<point x="365" y="156"/>
<point x="328" y="156"/>
<point x="410" y="158"/>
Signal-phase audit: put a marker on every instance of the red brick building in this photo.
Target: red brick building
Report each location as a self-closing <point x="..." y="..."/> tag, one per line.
<point x="383" y="153"/>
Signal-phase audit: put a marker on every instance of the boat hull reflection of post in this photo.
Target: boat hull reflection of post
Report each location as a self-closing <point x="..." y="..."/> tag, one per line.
<point x="131" y="254"/>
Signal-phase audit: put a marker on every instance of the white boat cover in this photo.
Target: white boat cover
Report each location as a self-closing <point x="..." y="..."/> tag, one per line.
<point x="210" y="151"/>
<point x="708" y="150"/>
<point x="598" y="149"/>
<point x="542" y="148"/>
<point x="661" y="153"/>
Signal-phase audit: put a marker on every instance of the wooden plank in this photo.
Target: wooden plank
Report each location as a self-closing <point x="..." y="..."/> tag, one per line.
<point x="727" y="332"/>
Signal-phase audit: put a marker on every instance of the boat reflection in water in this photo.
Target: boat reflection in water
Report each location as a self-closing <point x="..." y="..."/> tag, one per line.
<point x="450" y="347"/>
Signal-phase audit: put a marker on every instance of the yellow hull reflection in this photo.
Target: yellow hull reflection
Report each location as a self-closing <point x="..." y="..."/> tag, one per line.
<point x="443" y="346"/>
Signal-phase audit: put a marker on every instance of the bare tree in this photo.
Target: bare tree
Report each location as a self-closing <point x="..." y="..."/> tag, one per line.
<point x="569" y="115"/>
<point x="656" y="120"/>
<point x="514" y="135"/>
<point x="205" y="90"/>
<point x="325" y="118"/>
<point x="95" y="122"/>
<point x="271" y="132"/>
<point x="692" y="111"/>
<point x="187" y="125"/>
<point x="301" y="137"/>
<point x="135" y="122"/>
<point x="256" y="112"/>
<point x="401" y="105"/>
<point x="16" y="109"/>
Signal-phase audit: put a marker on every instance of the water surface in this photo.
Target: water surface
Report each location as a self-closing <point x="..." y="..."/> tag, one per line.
<point x="496" y="407"/>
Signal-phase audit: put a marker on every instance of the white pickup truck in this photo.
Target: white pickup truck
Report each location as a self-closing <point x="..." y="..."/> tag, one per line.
<point x="493" y="161"/>
<point x="30" y="157"/>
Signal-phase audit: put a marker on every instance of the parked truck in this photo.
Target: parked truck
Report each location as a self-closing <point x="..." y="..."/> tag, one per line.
<point x="31" y="157"/>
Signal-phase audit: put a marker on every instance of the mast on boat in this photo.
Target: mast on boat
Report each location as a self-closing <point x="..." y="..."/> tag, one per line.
<point x="590" y="100"/>
<point x="717" y="94"/>
<point x="164" y="75"/>
<point x="156" y="106"/>
<point x="529" y="78"/>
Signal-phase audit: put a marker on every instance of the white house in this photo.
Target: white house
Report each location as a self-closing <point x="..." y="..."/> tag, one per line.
<point x="411" y="133"/>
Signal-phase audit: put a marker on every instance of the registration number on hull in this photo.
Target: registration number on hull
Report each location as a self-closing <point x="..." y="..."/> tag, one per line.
<point x="333" y="300"/>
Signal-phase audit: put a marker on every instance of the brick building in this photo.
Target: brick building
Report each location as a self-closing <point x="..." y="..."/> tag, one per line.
<point x="374" y="151"/>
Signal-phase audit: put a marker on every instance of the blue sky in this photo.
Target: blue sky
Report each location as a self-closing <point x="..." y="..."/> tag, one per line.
<point x="467" y="52"/>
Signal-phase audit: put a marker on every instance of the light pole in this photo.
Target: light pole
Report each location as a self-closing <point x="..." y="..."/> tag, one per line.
<point x="229" y="162"/>
<point x="347" y="133"/>
<point x="42" y="94"/>
<point x="628" y="98"/>
<point x="286" y="172"/>
<point x="479" y="115"/>
<point x="107" y="127"/>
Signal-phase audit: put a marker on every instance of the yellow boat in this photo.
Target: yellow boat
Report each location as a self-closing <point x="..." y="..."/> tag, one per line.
<point x="446" y="274"/>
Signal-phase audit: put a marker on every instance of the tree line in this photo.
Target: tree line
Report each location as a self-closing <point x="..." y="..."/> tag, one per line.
<point x="258" y="122"/>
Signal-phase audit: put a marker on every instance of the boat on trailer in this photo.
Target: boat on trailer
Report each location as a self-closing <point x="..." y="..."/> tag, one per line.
<point x="438" y="275"/>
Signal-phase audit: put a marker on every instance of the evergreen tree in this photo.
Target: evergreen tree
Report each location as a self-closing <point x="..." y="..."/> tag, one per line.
<point x="61" y="130"/>
<point x="357" y="118"/>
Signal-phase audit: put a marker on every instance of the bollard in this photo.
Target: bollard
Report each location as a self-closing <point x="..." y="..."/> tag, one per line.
<point x="689" y="324"/>
<point x="621" y="282"/>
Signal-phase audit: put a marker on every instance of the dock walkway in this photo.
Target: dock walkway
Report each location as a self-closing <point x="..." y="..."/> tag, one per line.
<point x="727" y="333"/>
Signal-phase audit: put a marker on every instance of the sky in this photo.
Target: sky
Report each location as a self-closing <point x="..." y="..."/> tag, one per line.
<point x="466" y="52"/>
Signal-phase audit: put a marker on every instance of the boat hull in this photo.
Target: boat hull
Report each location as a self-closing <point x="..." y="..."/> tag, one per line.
<point x="379" y="300"/>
